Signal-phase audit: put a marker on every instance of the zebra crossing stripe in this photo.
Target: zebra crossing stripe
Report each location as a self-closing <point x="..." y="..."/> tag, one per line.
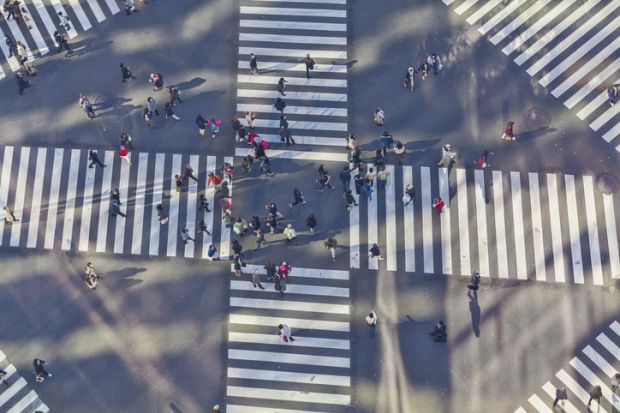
<point x="292" y="67"/>
<point x="11" y="60"/>
<point x="298" y="397"/>
<point x="606" y="116"/>
<point x="594" y="104"/>
<point x="592" y="84"/>
<point x="303" y="125"/>
<point x="87" y="207"/>
<point x="35" y="203"/>
<point x="289" y="377"/>
<point x="158" y="189"/>
<point x="225" y="231"/>
<point x="344" y="2"/>
<point x="319" y="273"/>
<point x="390" y="220"/>
<point x="612" y="236"/>
<point x="94" y="6"/>
<point x="595" y="252"/>
<point x="112" y="6"/>
<point x="287" y="25"/>
<point x="295" y="110"/>
<point x="517" y="217"/>
<point x="52" y="212"/>
<point x="575" y="388"/>
<point x="591" y="378"/>
<point x="518" y="21"/>
<point x="139" y="207"/>
<point x="307" y="140"/>
<point x="58" y="7"/>
<point x="609" y="345"/>
<point x="444" y="218"/>
<point x="119" y="232"/>
<point x="567" y="406"/>
<point x="520" y="410"/>
<point x="290" y="358"/>
<point x="409" y="223"/>
<point x="354" y="230"/>
<point x="233" y="408"/>
<point x="612" y="133"/>
<point x="35" y="33"/>
<point x="272" y="94"/>
<point x="574" y="229"/>
<point x="539" y="248"/>
<point x="173" y="216"/>
<point x="556" y="232"/>
<point x="79" y="12"/>
<point x="22" y="404"/>
<point x="104" y="204"/>
<point x="461" y="190"/>
<point x="306" y="324"/>
<point x="18" y="36"/>
<point x="299" y="155"/>
<point x="292" y="81"/>
<point x="45" y="17"/>
<point x="296" y="288"/>
<point x="20" y="193"/>
<point x="481" y="221"/>
<point x="67" y="229"/>
<point x="464" y="6"/>
<point x="539" y="404"/>
<point x="207" y="239"/>
<point x="482" y="11"/>
<point x="500" y="225"/>
<point x="282" y="11"/>
<point x="12" y="391"/>
<point x="600" y="362"/>
<point x="274" y="38"/>
<point x="373" y="227"/>
<point x="272" y="339"/>
<point x="289" y="305"/>
<point x="427" y="220"/>
<point x="192" y="198"/>
<point x="298" y="53"/>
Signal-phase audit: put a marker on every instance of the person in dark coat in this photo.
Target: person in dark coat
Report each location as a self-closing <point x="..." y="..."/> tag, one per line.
<point x="508" y="132"/>
<point x="126" y="72"/>
<point x="253" y="64"/>
<point x="22" y="83"/>
<point x="279" y="104"/>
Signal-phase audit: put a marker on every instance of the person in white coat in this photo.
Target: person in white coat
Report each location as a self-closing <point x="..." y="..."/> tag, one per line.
<point x="285" y="332"/>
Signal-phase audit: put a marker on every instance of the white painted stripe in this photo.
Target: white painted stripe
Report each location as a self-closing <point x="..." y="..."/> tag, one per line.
<point x="288" y="25"/>
<point x="448" y="2"/>
<point x="520" y="410"/>
<point x="612" y="133"/>
<point x="207" y="239"/>
<point x="518" y="21"/>
<point x="87" y="208"/>
<point x="354" y="230"/>
<point x="465" y="6"/>
<point x="607" y="115"/>
<point x="192" y="199"/>
<point x="517" y="216"/>
<point x="390" y="220"/>
<point x="225" y="232"/>
<point x="595" y="82"/>
<point x="273" y="339"/>
<point x="537" y="26"/>
<point x="595" y="250"/>
<point x="79" y="12"/>
<point x="556" y="232"/>
<point x="306" y="324"/>
<point x="46" y="18"/>
<point x="373" y="227"/>
<point x="18" y="36"/>
<point x="539" y="404"/>
<point x="409" y="222"/>
<point x="500" y="225"/>
<point x="306" y="140"/>
<point x="289" y="305"/>
<point x="594" y="104"/>
<point x="577" y="54"/>
<point x="173" y="215"/>
<point x="295" y="288"/>
<point x="24" y="402"/>
<point x="35" y="204"/>
<point x="488" y="6"/>
<point x="35" y="33"/>
<point x="20" y="194"/>
<point x="304" y="272"/>
<point x="609" y="345"/>
<point x="299" y="155"/>
<point x="575" y="388"/>
<point x="2" y="74"/>
<point x="303" y="125"/>
<point x="292" y="81"/>
<point x="234" y="408"/>
<point x="297" y="53"/>
<point x="444" y="218"/>
<point x="43" y="408"/>
<point x="2" y="357"/>
<point x="138" y="206"/>
<point x="112" y="6"/>
<point x="574" y="229"/>
<point x="537" y="228"/>
<point x="119" y="232"/>
<point x="59" y="7"/>
<point x="7" y="394"/>
<point x="294" y="67"/>
<point x="293" y="110"/>
<point x="592" y="378"/>
<point x="289" y="377"/>
<point x="427" y="219"/>
<point x="461" y="190"/>
<point x="309" y="1"/>
<point x="52" y="210"/>
<point x="275" y="38"/>
<point x="7" y="165"/>
<point x="94" y="6"/>
<point x="67" y="228"/>
<point x="566" y="405"/>
<point x="600" y="361"/>
<point x="104" y="203"/>
<point x="612" y="236"/>
<point x="282" y="11"/>
<point x="289" y="358"/>
<point x="272" y="94"/>
<point x="297" y="396"/>
<point x="158" y="189"/>
<point x="555" y="31"/>
<point x="12" y="61"/>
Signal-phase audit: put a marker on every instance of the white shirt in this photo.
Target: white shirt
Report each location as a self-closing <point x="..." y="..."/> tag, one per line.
<point x="371" y="321"/>
<point x="286" y="331"/>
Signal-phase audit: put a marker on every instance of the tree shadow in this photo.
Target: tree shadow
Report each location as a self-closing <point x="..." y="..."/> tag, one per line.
<point x="529" y="135"/>
<point x="175" y="408"/>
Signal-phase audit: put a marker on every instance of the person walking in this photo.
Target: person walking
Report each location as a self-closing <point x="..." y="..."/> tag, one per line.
<point x="214" y="179"/>
<point x="435" y="63"/>
<point x="284" y="331"/>
<point x="3" y="374"/>
<point x="560" y="395"/>
<point x="124" y="154"/>
<point x="260" y="239"/>
<point x="214" y="125"/>
<point x="345" y="178"/>
<point x="298" y="198"/>
<point x="116" y="196"/>
<point x="188" y="173"/>
<point x="408" y="195"/>
<point x="371" y="321"/>
<point x="161" y="215"/>
<point x="615" y="382"/>
<point x="185" y="236"/>
<point x="175" y="95"/>
<point x="179" y="182"/>
<point x="169" y="111"/>
<point x="368" y="190"/>
<point x="400" y="152"/>
<point x="508" y="134"/>
<point x="474" y="284"/>
<point x="613" y="92"/>
<point x="424" y="69"/>
<point x="279" y="104"/>
<point x="279" y="284"/>
<point x="63" y="43"/>
<point x="10" y="45"/>
<point x="350" y="201"/>
<point x="237" y="265"/>
<point x="370" y="176"/>
<point x="256" y="280"/>
<point x="379" y="116"/>
<point x="212" y="254"/>
<point x="309" y="62"/>
<point x="290" y="234"/>
<point x="447" y="155"/>
<point x="386" y="141"/>
<point x="94" y="159"/>
<point x="375" y="252"/>
<point x="116" y="209"/>
<point x="201" y="124"/>
<point x="272" y="223"/>
<point x="85" y="104"/>
<point x="152" y="105"/>
<point x="595" y="394"/>
<point x="440" y="333"/>
<point x="202" y="227"/>
<point x="157" y="80"/>
<point x="331" y="243"/>
<point x="39" y="370"/>
<point x="311" y="223"/>
<point x="126" y="73"/>
<point x="382" y="177"/>
<point x="250" y="119"/>
<point x="148" y="117"/>
<point x="22" y="84"/>
<point x="253" y="64"/>
<point x="483" y="160"/>
<point x="409" y="82"/>
<point x="438" y="204"/>
<point x="9" y="215"/>
<point x="125" y="139"/>
<point x="282" y="86"/>
<point x="130" y="7"/>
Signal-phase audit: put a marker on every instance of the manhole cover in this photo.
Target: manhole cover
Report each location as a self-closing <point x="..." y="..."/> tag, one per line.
<point x="607" y="183"/>
<point x="536" y="118"/>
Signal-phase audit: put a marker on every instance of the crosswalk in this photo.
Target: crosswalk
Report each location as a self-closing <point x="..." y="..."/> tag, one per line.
<point x="309" y="374"/>
<point x="16" y="396"/>
<point x="44" y="21"/>
<point x="569" y="46"/>
<point x="595" y="365"/>
<point x="281" y="33"/>
<point x="63" y="204"/>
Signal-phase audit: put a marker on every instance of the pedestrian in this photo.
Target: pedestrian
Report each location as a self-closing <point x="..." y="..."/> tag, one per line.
<point x="408" y="195"/>
<point x="216" y="409"/>
<point x="85" y="104"/>
<point x="331" y="243"/>
<point x="116" y="196"/>
<point x="290" y="234"/>
<point x="170" y="112"/>
<point x="440" y="333"/>
<point x="90" y="276"/>
<point x="379" y="160"/>
<point x="246" y="163"/>
<point x="214" y="125"/>
<point x="39" y="370"/>
<point x="371" y="320"/>
<point x="64" y="21"/>
<point x="474" y="284"/>
<point x="309" y="62"/>
<point x="400" y="152"/>
<point x="201" y="124"/>
<point x="202" y="227"/>
<point x="270" y="270"/>
<point x="22" y="83"/>
<point x="256" y="280"/>
<point x="265" y="166"/>
<point x="10" y="45"/>
<point x="409" y="82"/>
<point x="298" y="198"/>
<point x="161" y="215"/>
<point x="375" y="252"/>
<point x="447" y="155"/>
<point x="240" y="227"/>
<point x="368" y="191"/>
<point x="253" y="64"/>
<point x="370" y="176"/>
<point x="324" y="180"/>
<point x="157" y="80"/>
<point x="179" y="183"/>
<point x="282" y="86"/>
<point x="284" y="269"/>
<point x="203" y="203"/>
<point x="236" y="246"/>
<point x="613" y="92"/>
<point x="260" y="239"/>
<point x="386" y="141"/>
<point x="214" y="179"/>
<point x="424" y="69"/>
<point x="125" y="71"/>
<point x="279" y="104"/>
<point x="9" y="215"/>
<point x="285" y="332"/>
<point x="17" y="13"/>
<point x="27" y="18"/>
<point x="438" y="204"/>
<point x="152" y="105"/>
<point x="435" y="63"/>
<point x="237" y="265"/>
<point x="560" y="395"/>
<point x="148" y="117"/>
<point x="7" y="7"/>
<point x="185" y="236"/>
<point x="130" y="6"/>
<point x="94" y="159"/>
<point x="125" y="139"/>
<point x="272" y="223"/>
<point x="3" y="374"/>
<point x="228" y="170"/>
<point x="62" y="42"/>
<point x="345" y="178"/>
<point x="175" y="95"/>
<point x="188" y="172"/>
<point x="379" y="117"/>
<point x="250" y="118"/>
<point x="26" y="66"/>
<point x="311" y="223"/>
<point x="283" y="123"/>
<point x="382" y="177"/>
<point x="286" y="136"/>
<point x="483" y="161"/>
<point x="359" y="183"/>
<point x="124" y="154"/>
<point x="279" y="283"/>
<point x="595" y="393"/>
<point x="236" y="126"/>
<point x="350" y="201"/>
<point x="615" y="382"/>
<point x="212" y="254"/>
<point x="116" y="209"/>
<point x="508" y="134"/>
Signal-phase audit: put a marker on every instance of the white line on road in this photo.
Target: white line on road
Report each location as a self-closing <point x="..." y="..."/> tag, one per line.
<point x="158" y="190"/>
<point x="500" y="226"/>
<point x="299" y="155"/>
<point x="37" y="192"/>
<point x="390" y="220"/>
<point x="427" y="219"/>
<point x="87" y="208"/>
<point x="289" y="358"/>
<point x="556" y="232"/>
<point x="298" y="396"/>
<point x="481" y="220"/>
<point x="304" y="272"/>
<point x="104" y="203"/>
<point x="517" y="217"/>
<point x="574" y="229"/>
<point x="409" y="227"/>
<point x="274" y="340"/>
<point x="52" y="211"/>
<point x="537" y="228"/>
<point x="295" y="53"/>
<point x="287" y="38"/>
<point x="190" y="217"/>
<point x="175" y="199"/>
<point x="207" y="239"/>
<point x="119" y="229"/>
<point x="288" y="25"/>
<point x="595" y="251"/>
<point x="306" y="324"/>
<point x="67" y="228"/>
<point x="373" y="228"/>
<point x="612" y="236"/>
<point x="225" y="233"/>
<point x="289" y="377"/>
<point x="461" y="190"/>
<point x="272" y="11"/>
<point x="444" y="218"/>
<point x="20" y="194"/>
<point x="282" y="305"/>
<point x="138" y="206"/>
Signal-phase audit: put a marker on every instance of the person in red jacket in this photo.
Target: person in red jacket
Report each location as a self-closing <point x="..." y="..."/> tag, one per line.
<point x="124" y="154"/>
<point x="438" y="204"/>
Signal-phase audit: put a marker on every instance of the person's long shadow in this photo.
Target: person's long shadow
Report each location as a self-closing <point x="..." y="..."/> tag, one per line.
<point x="474" y="309"/>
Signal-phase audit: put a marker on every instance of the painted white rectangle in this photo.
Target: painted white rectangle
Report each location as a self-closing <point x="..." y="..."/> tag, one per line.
<point x="306" y="140"/>
<point x="35" y="33"/>
<point x="225" y="232"/>
<point x="575" y="388"/>
<point x="289" y="305"/>
<point x="20" y="194"/>
<point x="487" y="7"/>
<point x="138" y="207"/>
<point x="595" y="250"/>
<point x="273" y="339"/>
<point x="295" y="288"/>
<point x="309" y="1"/>
<point x="574" y="229"/>
<point x="293" y="67"/>
<point x="272" y="94"/>
<point x="94" y="6"/>
<point x="112" y="6"/>
<point x="306" y="324"/>
<point x="58" y="7"/>
<point x="517" y="216"/>
<point x="518" y="21"/>
<point x="52" y="210"/>
<point x="7" y="394"/>
<point x="537" y="229"/>
<point x="288" y="38"/>
<point x="409" y="222"/>
<point x="556" y="232"/>
<point x="354" y="230"/>
<point x="18" y="36"/>
<point x="35" y="204"/>
<point x="566" y="405"/>
<point x="444" y="218"/>
<point x="293" y="110"/>
<point x="427" y="220"/>
<point x="612" y="133"/>
<point x="123" y="188"/>
<point x="11" y="60"/>
<point x="299" y="155"/>
<point x="158" y="189"/>
<point x="79" y="12"/>
<point x="190" y="217"/>
<point x="287" y="25"/>
<point x="7" y="164"/>
<point x="520" y="410"/>
<point x="594" y="104"/>
<point x="461" y="190"/>
<point x="173" y="211"/>
<point x="295" y="53"/>
<point x="282" y="11"/>
<point x="592" y="378"/>
<point x="289" y="377"/>
<point x="299" y="272"/>
<point x="600" y="361"/>
<point x="233" y="408"/>
<point x="539" y="404"/>
<point x="45" y="18"/>
<point x="87" y="208"/>
<point x="594" y="83"/>
<point x="612" y="236"/>
<point x="291" y="81"/>
<point x="24" y="402"/>
<point x="481" y="224"/>
<point x="500" y="225"/>
<point x="207" y="239"/>
<point x="104" y="203"/>
<point x="609" y="345"/>
<point x="373" y="228"/>
<point x="290" y="358"/>
<point x="303" y="125"/>
<point x="465" y="6"/>
<point x="606" y="116"/>
<point x="298" y="396"/>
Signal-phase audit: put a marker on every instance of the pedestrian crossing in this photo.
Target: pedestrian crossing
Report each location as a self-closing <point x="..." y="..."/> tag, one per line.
<point x="596" y="365"/>
<point x="63" y="204"/>
<point x="281" y="33"/>
<point x="311" y="373"/>
<point x="15" y="394"/>
<point x="44" y="21"/>
<point x="569" y="46"/>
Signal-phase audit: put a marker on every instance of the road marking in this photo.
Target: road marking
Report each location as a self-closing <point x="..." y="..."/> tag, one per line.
<point x="52" y="211"/>
<point x="299" y="155"/>
<point x="518" y="21"/>
<point x="292" y="67"/>
<point x="595" y="251"/>
<point x="482" y="11"/>
<point x="306" y="140"/>
<point x="94" y="6"/>
<point x="104" y="204"/>
<point x="517" y="216"/>
<point x="373" y="227"/>
<point x="273" y="339"/>
<point x="45" y="17"/>
<point x="289" y="377"/>
<point x="294" y="110"/>
<point x="287" y="25"/>
<point x="566" y="405"/>
<point x="296" y="53"/>
<point x="539" y="404"/>
<point x="461" y="189"/>
<point x="599" y="361"/>
<point x="390" y="220"/>
<point x="289" y="358"/>
<point x="7" y="164"/>
<point x="67" y="229"/>
<point x="304" y="272"/>
<point x="7" y="394"/>
<point x="288" y="395"/>
<point x="537" y="228"/>
<point x="20" y="193"/>
<point x="609" y="345"/>
<point x="591" y="378"/>
<point x="318" y="290"/>
<point x="576" y="389"/>
<point x="354" y="230"/>
<point x="275" y="38"/>
<point x="87" y="208"/>
<point x="22" y="404"/>
<point x="500" y="225"/>
<point x="292" y="81"/>
<point x="594" y="104"/>
<point x="306" y="324"/>
<point x="112" y="6"/>
<point x="58" y="7"/>
<point x="612" y="236"/>
<point x="35" y="204"/>
<point x="606" y="116"/>
<point x="11" y="60"/>
<point x="444" y="218"/>
<point x="35" y="33"/>
<point x="574" y="229"/>
<point x="138" y="207"/>
<point x="272" y="94"/>
<point x="18" y="36"/>
<point x="303" y="125"/>
<point x="158" y="190"/>
<point x="207" y="239"/>
<point x="233" y="408"/>
<point x="427" y="219"/>
<point x="465" y="6"/>
<point x="556" y="232"/>
<point x="309" y="1"/>
<point x="612" y="133"/>
<point x="282" y="11"/>
<point x="119" y="232"/>
<point x="289" y="305"/>
<point x="225" y="234"/>
<point x="409" y="222"/>
<point x="79" y="12"/>
<point x="190" y="217"/>
<point x="594" y="83"/>
<point x="175" y="199"/>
